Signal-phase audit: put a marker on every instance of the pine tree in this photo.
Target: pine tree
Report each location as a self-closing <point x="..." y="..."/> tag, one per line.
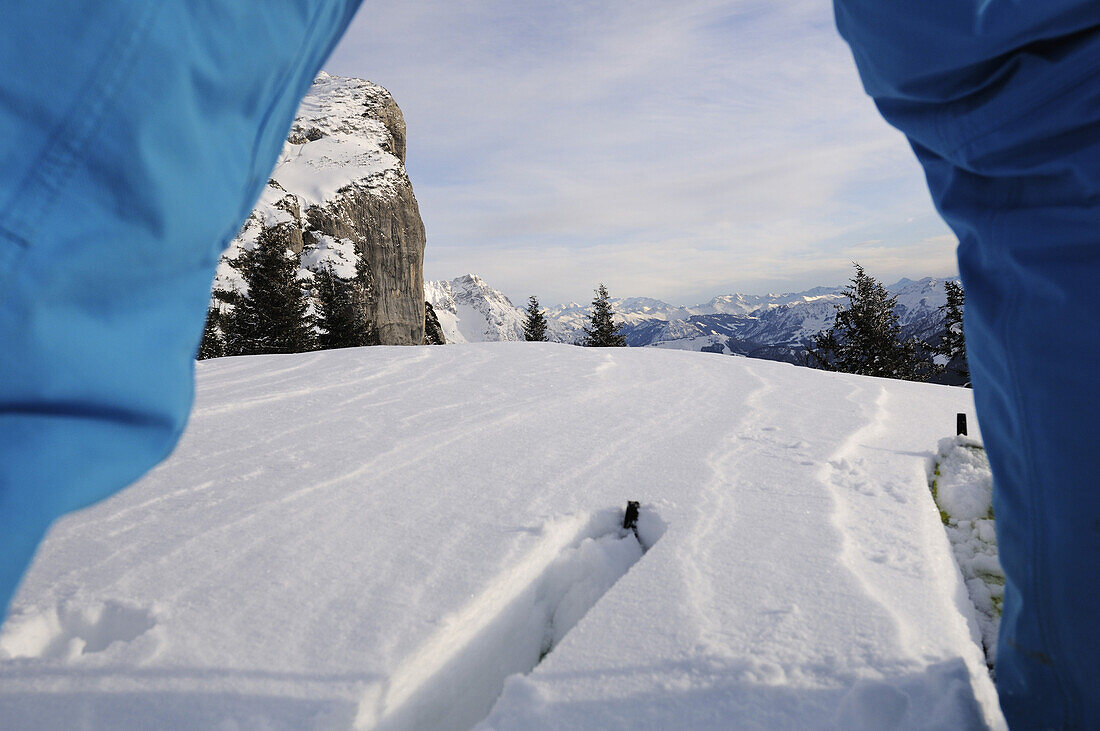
<point x="602" y="332"/>
<point x="433" y="331"/>
<point x="362" y="290"/>
<point x="866" y="336"/>
<point x="953" y="344"/>
<point x="341" y="306"/>
<point x="534" y="327"/>
<point x="212" y="345"/>
<point x="273" y="316"/>
<point x="336" y="319"/>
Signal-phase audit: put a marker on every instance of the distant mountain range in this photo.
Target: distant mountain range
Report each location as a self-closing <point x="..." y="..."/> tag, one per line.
<point x="771" y="326"/>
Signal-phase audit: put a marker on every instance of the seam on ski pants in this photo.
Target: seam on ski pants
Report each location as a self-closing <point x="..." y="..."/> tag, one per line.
<point x="41" y="189"/>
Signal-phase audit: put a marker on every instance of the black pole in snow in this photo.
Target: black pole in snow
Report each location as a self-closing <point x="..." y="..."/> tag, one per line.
<point x="960" y="424"/>
<point x="630" y="518"/>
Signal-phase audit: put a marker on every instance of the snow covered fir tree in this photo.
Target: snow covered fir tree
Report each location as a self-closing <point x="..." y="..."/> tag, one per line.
<point x="212" y="344"/>
<point x="865" y="337"/>
<point x="601" y="331"/>
<point x="433" y="331"/>
<point x="272" y="315"/>
<point x="281" y="311"/>
<point x="341" y="307"/>
<point x="952" y="346"/>
<point x="534" y="327"/>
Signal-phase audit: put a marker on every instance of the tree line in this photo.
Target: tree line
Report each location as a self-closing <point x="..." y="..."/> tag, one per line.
<point x="600" y="332"/>
<point x="278" y="312"/>
<point x="865" y="337"/>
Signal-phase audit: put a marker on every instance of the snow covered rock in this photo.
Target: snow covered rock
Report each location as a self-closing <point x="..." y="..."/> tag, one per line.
<point x="339" y="191"/>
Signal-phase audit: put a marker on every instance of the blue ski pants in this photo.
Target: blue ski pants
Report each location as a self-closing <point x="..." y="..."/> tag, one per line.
<point x="1000" y="100"/>
<point x="135" y="136"/>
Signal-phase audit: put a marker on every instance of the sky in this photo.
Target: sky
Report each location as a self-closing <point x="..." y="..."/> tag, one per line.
<point x="678" y="149"/>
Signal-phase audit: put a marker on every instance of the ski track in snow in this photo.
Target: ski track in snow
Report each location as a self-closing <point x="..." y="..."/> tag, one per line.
<point x="343" y="539"/>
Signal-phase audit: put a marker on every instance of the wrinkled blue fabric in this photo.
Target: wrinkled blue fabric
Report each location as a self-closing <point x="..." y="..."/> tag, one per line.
<point x="135" y="136"/>
<point x="1000" y="100"/>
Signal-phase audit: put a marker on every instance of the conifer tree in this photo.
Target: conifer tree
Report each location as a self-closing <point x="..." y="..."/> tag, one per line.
<point x="602" y="332"/>
<point x="341" y="306"/>
<point x="953" y="344"/>
<point x="212" y="345"/>
<point x="866" y="336"/>
<point x="336" y="319"/>
<point x="433" y="331"/>
<point x="273" y="316"/>
<point x="534" y="327"/>
<point x="362" y="291"/>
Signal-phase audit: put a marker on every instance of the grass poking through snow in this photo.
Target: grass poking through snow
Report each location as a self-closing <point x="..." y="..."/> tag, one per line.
<point x="962" y="486"/>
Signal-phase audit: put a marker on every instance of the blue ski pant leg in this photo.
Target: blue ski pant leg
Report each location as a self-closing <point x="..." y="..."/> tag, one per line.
<point x="135" y="136"/>
<point x="1000" y="100"/>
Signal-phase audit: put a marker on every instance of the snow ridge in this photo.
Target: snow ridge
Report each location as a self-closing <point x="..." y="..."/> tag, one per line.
<point x="962" y="486"/>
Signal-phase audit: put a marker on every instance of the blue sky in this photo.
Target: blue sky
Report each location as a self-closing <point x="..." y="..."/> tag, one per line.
<point x="677" y="149"/>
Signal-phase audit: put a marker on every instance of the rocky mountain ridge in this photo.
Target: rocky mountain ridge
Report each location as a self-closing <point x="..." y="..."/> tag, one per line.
<point x="470" y="311"/>
<point x="772" y="326"/>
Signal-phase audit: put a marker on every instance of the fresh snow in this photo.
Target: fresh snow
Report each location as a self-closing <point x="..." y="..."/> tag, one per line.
<point x="352" y="149"/>
<point x="962" y="485"/>
<point x="393" y="538"/>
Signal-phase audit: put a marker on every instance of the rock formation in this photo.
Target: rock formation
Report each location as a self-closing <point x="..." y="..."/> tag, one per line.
<point x="340" y="192"/>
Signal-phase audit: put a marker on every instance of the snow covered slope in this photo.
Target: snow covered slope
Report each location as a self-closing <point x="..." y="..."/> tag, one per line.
<point x="394" y="537"/>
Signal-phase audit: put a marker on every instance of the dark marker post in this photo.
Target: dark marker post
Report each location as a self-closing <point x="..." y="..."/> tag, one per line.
<point x="630" y="518"/>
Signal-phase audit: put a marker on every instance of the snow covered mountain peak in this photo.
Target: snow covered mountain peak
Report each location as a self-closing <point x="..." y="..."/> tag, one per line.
<point x="470" y="311"/>
<point x="772" y="326"/>
<point x="347" y="131"/>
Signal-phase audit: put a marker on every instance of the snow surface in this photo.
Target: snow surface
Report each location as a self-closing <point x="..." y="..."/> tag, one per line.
<point x="393" y="537"/>
<point x="962" y="484"/>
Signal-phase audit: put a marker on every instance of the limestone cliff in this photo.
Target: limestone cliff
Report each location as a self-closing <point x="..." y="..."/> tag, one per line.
<point x="340" y="192"/>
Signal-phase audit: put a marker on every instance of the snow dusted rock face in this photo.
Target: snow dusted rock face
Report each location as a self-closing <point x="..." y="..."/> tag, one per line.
<point x="470" y="311"/>
<point x="339" y="192"/>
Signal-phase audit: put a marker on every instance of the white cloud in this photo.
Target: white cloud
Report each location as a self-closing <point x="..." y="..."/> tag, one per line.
<point x="680" y="148"/>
